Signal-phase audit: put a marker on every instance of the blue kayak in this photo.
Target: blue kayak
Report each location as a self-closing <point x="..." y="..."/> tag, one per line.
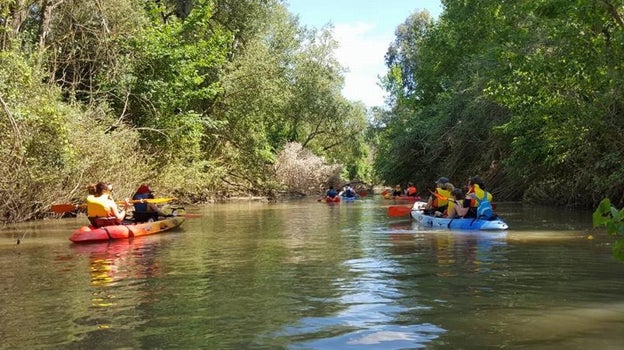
<point x="348" y="199"/>
<point x="456" y="223"/>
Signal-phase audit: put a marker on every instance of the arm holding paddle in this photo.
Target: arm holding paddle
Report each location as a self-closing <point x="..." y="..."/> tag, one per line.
<point x="68" y="207"/>
<point x="143" y="210"/>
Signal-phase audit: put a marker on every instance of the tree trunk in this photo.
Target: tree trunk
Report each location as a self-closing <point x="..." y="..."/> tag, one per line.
<point x="13" y="24"/>
<point x="46" y="17"/>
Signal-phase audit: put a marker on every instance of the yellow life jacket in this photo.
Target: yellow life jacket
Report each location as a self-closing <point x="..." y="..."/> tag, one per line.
<point x="99" y="206"/>
<point x="439" y="202"/>
<point x="451" y="204"/>
<point x="479" y="193"/>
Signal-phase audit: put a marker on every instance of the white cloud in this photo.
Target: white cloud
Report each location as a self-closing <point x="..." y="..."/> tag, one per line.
<point x="362" y="52"/>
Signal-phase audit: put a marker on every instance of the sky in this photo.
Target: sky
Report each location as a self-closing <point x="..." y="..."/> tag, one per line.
<point x="364" y="29"/>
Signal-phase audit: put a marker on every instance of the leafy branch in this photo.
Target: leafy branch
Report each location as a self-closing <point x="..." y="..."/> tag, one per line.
<point x="613" y="220"/>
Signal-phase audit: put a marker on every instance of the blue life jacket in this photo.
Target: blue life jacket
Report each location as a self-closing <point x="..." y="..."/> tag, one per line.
<point x="484" y="207"/>
<point x="349" y="192"/>
<point x="140" y="207"/>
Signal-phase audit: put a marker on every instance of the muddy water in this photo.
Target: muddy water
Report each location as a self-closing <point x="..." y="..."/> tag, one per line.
<point x="306" y="275"/>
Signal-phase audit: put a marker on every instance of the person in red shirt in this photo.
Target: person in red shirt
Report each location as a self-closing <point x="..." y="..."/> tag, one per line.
<point x="412" y="190"/>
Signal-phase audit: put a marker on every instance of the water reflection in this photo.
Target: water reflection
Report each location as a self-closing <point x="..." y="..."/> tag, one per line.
<point x="112" y="262"/>
<point x="316" y="276"/>
<point x="119" y="272"/>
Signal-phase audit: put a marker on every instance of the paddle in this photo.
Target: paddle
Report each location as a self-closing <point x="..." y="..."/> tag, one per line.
<point x="399" y="210"/>
<point x="66" y="207"/>
<point x="181" y="212"/>
<point x="439" y="195"/>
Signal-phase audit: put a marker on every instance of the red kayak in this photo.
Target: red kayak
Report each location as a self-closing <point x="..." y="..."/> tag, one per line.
<point x="88" y="234"/>
<point x="332" y="200"/>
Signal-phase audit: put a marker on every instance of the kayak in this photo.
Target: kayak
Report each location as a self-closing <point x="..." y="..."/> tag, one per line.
<point x="348" y="199"/>
<point x="329" y="199"/>
<point x="456" y="223"/>
<point x="88" y="234"/>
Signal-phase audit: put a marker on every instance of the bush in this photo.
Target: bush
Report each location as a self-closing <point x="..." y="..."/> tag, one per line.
<point x="302" y="172"/>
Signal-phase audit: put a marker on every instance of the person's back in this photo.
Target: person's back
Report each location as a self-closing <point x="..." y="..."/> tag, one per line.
<point x="443" y="193"/>
<point x="438" y="202"/>
<point x="101" y="209"/>
<point x="144" y="211"/>
<point x="478" y="195"/>
<point x="456" y="206"/>
<point x="348" y="192"/>
<point x="331" y="193"/>
<point x="398" y="191"/>
<point x="98" y="206"/>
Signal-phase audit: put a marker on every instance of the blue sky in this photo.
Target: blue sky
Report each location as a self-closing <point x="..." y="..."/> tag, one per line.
<point x="364" y="29"/>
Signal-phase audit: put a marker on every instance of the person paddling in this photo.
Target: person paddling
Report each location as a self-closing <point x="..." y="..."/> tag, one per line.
<point x="438" y="202"/>
<point x="476" y="194"/>
<point x="331" y="195"/>
<point x="144" y="211"/>
<point x="411" y="190"/>
<point x="348" y="192"/>
<point x="101" y="208"/>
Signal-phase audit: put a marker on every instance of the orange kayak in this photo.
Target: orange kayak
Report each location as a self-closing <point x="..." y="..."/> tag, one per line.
<point x="88" y="234"/>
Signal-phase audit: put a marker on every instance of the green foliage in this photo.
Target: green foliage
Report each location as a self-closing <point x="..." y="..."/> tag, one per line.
<point x="613" y="220"/>
<point x="174" y="82"/>
<point x="196" y="98"/>
<point x="52" y="149"/>
<point x="492" y="87"/>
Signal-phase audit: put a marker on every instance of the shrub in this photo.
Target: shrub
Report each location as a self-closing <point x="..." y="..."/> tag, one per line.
<point x="301" y="171"/>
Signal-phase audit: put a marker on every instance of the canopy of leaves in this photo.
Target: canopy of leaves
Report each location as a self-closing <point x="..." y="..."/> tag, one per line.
<point x="195" y="97"/>
<point x="526" y="94"/>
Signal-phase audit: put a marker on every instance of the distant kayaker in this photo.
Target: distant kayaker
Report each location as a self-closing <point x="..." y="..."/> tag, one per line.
<point x="144" y="211"/>
<point x="411" y="190"/>
<point x="331" y="194"/>
<point x="348" y="192"/>
<point x="398" y="191"/>
<point x="101" y="208"/>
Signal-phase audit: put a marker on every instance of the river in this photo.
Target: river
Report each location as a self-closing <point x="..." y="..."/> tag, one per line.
<point x="307" y="275"/>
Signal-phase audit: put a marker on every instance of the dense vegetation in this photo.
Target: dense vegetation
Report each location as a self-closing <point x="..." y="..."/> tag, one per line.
<point x="527" y="94"/>
<point x="198" y="98"/>
<point x="210" y="98"/>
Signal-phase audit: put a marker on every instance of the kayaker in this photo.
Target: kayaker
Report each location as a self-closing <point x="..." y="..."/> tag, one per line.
<point x="476" y="192"/>
<point x="144" y="211"/>
<point x="457" y="207"/>
<point x="398" y="191"/>
<point x="438" y="202"/>
<point x="331" y="194"/>
<point x="101" y="208"/>
<point x="412" y="191"/>
<point x="348" y="192"/>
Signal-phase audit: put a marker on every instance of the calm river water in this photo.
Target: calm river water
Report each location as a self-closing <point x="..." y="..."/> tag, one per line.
<point x="307" y="275"/>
